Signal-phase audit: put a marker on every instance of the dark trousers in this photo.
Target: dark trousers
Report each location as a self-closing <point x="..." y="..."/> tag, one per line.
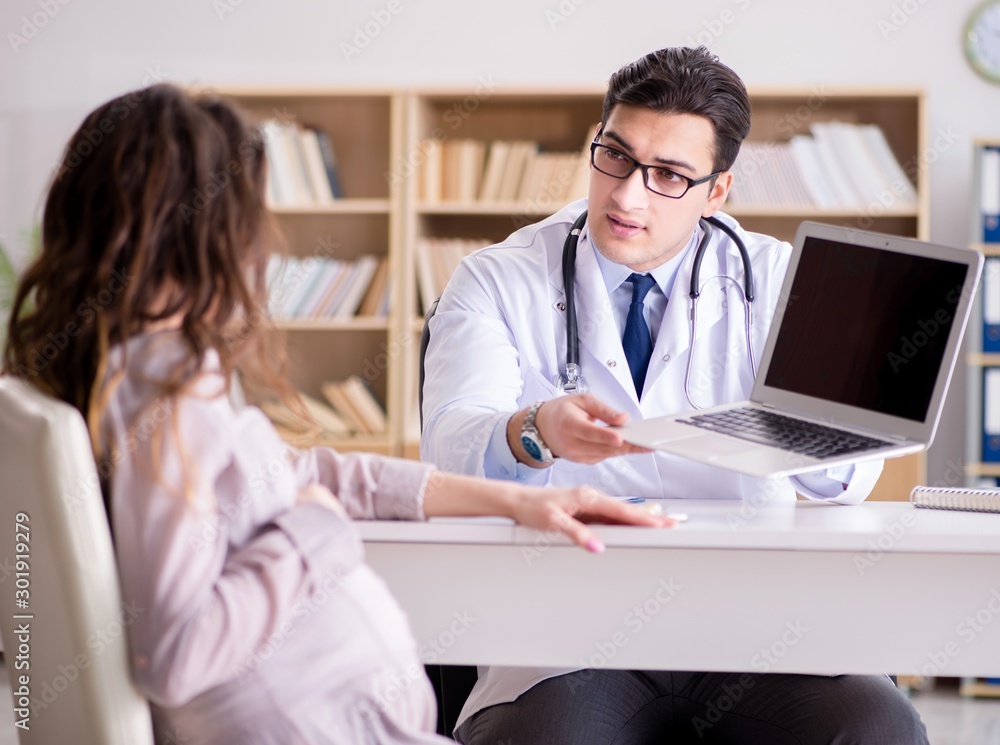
<point x="621" y="707"/>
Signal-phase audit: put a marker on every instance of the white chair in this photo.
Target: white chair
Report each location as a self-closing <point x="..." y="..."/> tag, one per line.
<point x="75" y="644"/>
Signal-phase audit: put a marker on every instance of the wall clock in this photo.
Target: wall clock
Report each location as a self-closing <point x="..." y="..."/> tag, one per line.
<point x="982" y="40"/>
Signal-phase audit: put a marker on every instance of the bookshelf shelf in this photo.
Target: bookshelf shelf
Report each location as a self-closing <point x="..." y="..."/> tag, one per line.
<point x="981" y="359"/>
<point x="988" y="249"/>
<point x="983" y="470"/>
<point x="504" y="209"/>
<point x="339" y="207"/>
<point x="813" y="213"/>
<point x="979" y="688"/>
<point x="357" y="323"/>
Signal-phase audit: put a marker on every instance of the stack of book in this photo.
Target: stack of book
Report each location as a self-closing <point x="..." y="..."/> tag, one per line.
<point x="319" y="287"/>
<point x="302" y="168"/>
<point x="839" y="166"/>
<point x="437" y="259"/>
<point x="502" y="171"/>
<point x="349" y="410"/>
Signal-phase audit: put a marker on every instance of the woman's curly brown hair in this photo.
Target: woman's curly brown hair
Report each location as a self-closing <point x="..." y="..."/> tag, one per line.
<point x="156" y="212"/>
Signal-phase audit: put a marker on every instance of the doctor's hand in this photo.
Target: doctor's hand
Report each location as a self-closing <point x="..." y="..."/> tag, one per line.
<point x="571" y="426"/>
<point x="560" y="510"/>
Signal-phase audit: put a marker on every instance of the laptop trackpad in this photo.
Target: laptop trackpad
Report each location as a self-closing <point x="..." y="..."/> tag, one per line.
<point x="709" y="447"/>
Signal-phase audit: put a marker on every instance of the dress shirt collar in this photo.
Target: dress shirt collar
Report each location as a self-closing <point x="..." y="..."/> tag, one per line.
<point x="616" y="274"/>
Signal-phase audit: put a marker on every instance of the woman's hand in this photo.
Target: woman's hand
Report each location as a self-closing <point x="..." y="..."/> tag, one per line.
<point x="544" y="508"/>
<point x="567" y="510"/>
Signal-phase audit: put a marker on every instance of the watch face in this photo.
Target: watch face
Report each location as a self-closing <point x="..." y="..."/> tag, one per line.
<point x="982" y="40"/>
<point x="531" y="447"/>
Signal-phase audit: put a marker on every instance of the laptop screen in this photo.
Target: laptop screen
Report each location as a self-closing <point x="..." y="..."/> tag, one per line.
<point x="866" y="327"/>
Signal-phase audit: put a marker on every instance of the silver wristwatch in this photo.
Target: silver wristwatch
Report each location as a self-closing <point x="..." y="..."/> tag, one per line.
<point x="531" y="438"/>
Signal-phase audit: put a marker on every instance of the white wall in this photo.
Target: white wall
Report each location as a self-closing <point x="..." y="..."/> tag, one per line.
<point x="84" y="52"/>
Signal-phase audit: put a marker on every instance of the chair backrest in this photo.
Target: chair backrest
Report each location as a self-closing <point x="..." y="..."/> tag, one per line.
<point x="425" y="339"/>
<point x="452" y="683"/>
<point x="62" y="616"/>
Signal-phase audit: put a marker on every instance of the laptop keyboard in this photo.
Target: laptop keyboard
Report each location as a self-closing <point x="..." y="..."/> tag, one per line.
<point x="785" y="433"/>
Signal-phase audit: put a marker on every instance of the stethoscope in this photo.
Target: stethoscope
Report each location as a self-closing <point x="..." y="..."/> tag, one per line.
<point x="571" y="380"/>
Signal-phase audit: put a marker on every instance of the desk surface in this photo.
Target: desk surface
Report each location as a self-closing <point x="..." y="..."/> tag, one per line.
<point x="798" y="587"/>
<point x="722" y="524"/>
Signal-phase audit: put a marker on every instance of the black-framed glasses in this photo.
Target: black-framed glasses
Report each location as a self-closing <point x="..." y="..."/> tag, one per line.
<point x="657" y="179"/>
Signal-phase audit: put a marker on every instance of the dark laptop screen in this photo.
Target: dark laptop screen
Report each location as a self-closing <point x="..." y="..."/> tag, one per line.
<point x="866" y="327"/>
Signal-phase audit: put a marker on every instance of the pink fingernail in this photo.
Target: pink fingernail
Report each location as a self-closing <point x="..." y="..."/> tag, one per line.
<point x="595" y="545"/>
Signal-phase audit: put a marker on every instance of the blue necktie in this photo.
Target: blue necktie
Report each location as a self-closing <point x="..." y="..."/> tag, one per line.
<point x="636" y="342"/>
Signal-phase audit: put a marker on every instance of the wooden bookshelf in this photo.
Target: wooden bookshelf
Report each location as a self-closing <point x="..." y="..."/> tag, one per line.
<point x="560" y="119"/>
<point x="365" y="129"/>
<point x="977" y="361"/>
<point x="377" y="134"/>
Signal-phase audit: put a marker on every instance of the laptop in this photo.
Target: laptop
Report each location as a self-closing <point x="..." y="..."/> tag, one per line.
<point x="856" y="365"/>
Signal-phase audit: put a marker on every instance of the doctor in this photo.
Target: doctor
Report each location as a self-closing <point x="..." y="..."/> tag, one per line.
<point x="672" y="125"/>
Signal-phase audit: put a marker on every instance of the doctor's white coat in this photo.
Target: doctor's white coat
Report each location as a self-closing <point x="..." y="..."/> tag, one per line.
<point x="499" y="339"/>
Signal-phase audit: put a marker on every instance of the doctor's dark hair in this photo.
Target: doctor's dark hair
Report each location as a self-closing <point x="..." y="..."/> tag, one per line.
<point x="681" y="80"/>
<point x="156" y="213"/>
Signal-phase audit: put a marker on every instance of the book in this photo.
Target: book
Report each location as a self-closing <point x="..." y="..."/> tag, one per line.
<point x="338" y="398"/>
<point x="966" y="500"/>
<point x="496" y="162"/>
<point x="325" y="418"/>
<point x="990" y="293"/>
<point x="365" y="403"/>
<point x="316" y="171"/>
<point x="362" y="271"/>
<point x="989" y="194"/>
<point x="430" y="171"/>
<point x="374" y="300"/>
<point x="329" y="163"/>
<point x="991" y="415"/>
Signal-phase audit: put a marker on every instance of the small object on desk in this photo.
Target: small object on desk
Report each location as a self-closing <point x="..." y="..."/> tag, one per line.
<point x="631" y="500"/>
<point x="966" y="500"/>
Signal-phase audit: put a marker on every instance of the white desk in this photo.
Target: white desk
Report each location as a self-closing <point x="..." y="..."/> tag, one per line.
<point x="802" y="587"/>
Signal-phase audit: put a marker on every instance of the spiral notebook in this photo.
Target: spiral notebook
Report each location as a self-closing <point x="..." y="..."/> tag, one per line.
<point x="968" y="500"/>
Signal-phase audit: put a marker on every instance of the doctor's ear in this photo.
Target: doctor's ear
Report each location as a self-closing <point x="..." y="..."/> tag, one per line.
<point x="717" y="196"/>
